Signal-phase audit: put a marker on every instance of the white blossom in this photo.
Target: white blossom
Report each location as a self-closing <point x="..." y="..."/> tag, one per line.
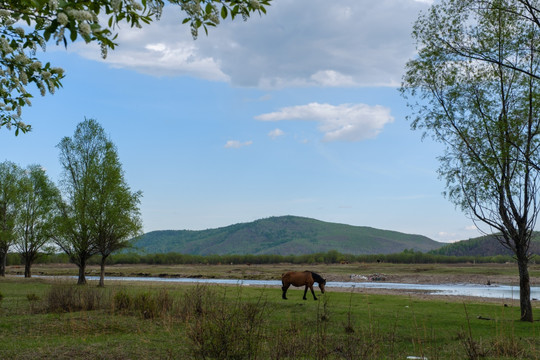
<point x="62" y="18"/>
<point x="81" y="15"/>
<point x="23" y="78"/>
<point x="53" y="4"/>
<point x="19" y="31"/>
<point x="57" y="70"/>
<point x="116" y="5"/>
<point x="45" y="75"/>
<point x="255" y="4"/>
<point x="36" y="66"/>
<point x="84" y="28"/>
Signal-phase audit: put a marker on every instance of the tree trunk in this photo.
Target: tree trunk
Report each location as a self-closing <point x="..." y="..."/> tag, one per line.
<point x="27" y="268"/>
<point x="524" y="289"/>
<point x="82" y="270"/>
<point x="102" y="272"/>
<point x="3" y="261"/>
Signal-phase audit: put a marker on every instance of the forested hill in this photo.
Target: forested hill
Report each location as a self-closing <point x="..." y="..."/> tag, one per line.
<point x="284" y="235"/>
<point x="483" y="246"/>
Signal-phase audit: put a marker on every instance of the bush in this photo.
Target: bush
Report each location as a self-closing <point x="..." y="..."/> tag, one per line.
<point x="220" y="329"/>
<point x="69" y="298"/>
<point x="122" y="301"/>
<point x="32" y="297"/>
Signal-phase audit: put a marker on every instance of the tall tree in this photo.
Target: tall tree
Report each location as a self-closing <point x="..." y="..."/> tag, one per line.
<point x="39" y="197"/>
<point x="89" y="20"/>
<point x="115" y="209"/>
<point x="10" y="177"/>
<point x="81" y="158"/>
<point x="474" y="87"/>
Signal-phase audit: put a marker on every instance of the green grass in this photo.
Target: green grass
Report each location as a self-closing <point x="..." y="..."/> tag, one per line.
<point x="197" y="319"/>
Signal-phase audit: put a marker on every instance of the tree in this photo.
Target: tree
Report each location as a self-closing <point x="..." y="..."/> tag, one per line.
<point x="89" y="20"/>
<point x="477" y="91"/>
<point x="81" y="158"/>
<point x="39" y="197"/>
<point x="10" y="177"/>
<point x="115" y="209"/>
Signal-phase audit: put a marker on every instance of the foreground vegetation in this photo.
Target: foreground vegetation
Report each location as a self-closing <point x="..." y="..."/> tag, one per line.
<point x="45" y="319"/>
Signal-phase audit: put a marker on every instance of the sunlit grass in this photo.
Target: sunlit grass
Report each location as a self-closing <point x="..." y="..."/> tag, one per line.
<point x="340" y="325"/>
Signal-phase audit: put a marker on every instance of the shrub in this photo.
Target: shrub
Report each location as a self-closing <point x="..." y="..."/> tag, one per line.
<point x="32" y="297"/>
<point x="69" y="298"/>
<point x="122" y="301"/>
<point x="221" y="329"/>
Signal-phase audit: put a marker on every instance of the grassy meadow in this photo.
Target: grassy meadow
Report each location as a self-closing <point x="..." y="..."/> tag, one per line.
<point x="42" y="318"/>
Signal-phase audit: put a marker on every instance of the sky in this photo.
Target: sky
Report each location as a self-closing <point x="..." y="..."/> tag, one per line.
<point x="293" y="113"/>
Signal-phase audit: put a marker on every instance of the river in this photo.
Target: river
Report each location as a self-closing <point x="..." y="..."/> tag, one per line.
<point x="487" y="291"/>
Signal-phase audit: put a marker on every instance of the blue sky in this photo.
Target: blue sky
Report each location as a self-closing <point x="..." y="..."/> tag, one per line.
<point x="293" y="113"/>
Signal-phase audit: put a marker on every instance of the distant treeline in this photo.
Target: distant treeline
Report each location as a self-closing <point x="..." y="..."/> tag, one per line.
<point x="330" y="257"/>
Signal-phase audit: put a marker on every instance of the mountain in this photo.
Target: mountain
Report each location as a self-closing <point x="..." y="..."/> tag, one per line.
<point x="284" y="235"/>
<point x="483" y="246"/>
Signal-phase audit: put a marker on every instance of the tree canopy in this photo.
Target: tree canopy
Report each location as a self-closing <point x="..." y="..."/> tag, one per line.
<point x="39" y="197"/>
<point x="26" y="27"/>
<point x="474" y="87"/>
<point x="10" y="207"/>
<point x="98" y="212"/>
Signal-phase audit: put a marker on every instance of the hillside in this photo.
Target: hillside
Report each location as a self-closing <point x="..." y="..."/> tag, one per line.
<point x="284" y="235"/>
<point x="483" y="246"/>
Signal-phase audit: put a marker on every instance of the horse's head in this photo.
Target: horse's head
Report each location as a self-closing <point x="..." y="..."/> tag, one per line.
<point x="321" y="285"/>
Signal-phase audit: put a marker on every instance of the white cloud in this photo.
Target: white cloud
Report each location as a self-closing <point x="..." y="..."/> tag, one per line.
<point x="160" y="59"/>
<point x="332" y="78"/>
<point x="346" y="122"/>
<point x="297" y="43"/>
<point x="276" y="133"/>
<point x="235" y="144"/>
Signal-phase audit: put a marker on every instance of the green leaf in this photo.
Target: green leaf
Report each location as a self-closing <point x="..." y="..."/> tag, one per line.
<point x="224" y="12"/>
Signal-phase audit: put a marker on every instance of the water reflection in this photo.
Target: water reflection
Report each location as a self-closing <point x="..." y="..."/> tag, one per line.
<point x="488" y="291"/>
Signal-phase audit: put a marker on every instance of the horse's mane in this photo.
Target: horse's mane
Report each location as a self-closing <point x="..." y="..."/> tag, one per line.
<point x="318" y="278"/>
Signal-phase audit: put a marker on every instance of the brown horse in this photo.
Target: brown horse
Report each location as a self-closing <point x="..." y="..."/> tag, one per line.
<point x="297" y="278"/>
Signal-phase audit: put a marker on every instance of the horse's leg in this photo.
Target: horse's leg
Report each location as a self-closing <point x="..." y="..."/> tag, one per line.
<point x="305" y="292"/>
<point x="284" y="288"/>
<point x="313" y="292"/>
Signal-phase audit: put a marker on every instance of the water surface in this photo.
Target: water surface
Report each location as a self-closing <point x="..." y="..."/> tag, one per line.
<point x="488" y="291"/>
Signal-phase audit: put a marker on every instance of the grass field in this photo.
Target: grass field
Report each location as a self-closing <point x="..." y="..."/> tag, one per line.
<point x="50" y="319"/>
